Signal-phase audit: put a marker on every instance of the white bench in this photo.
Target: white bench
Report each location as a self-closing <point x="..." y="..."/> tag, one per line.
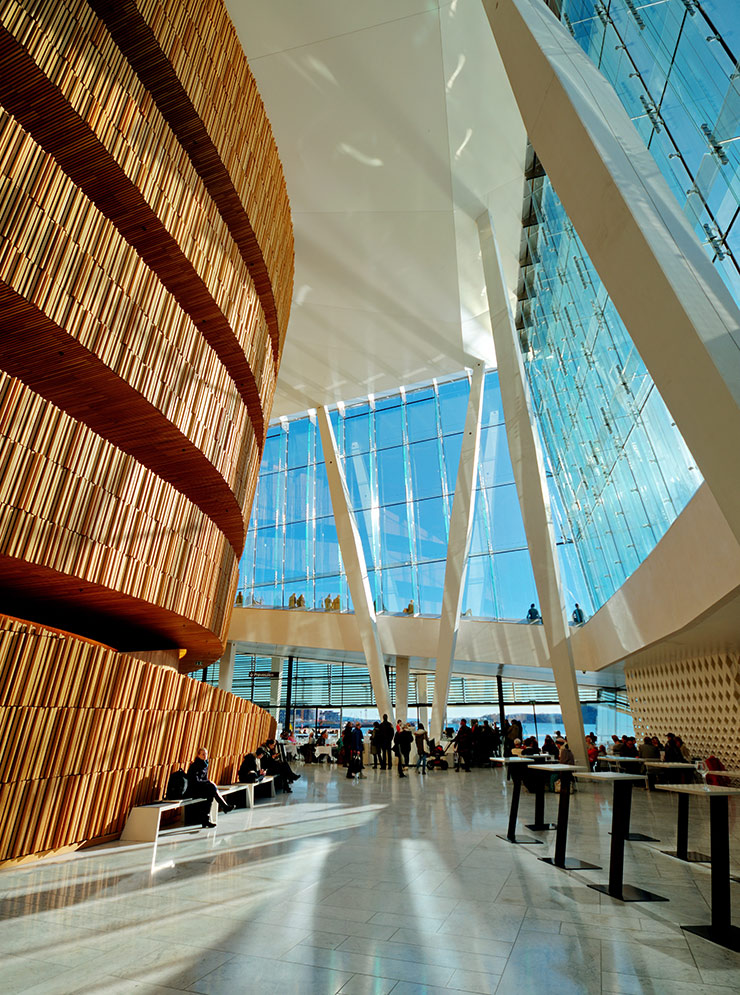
<point x="142" y="825"/>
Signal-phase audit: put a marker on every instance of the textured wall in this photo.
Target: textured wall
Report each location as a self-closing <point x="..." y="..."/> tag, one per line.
<point x="146" y="260"/>
<point x="697" y="698"/>
<point x="146" y="267"/>
<point x="87" y="733"/>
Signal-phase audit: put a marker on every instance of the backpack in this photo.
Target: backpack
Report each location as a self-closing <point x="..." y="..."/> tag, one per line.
<point x="177" y="785"/>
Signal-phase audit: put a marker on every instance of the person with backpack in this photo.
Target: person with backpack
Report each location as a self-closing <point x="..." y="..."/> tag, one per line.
<point x="200" y="787"/>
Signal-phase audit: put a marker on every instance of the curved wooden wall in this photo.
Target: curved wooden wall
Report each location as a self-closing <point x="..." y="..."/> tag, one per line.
<point x="146" y="259"/>
<point x="88" y="733"/>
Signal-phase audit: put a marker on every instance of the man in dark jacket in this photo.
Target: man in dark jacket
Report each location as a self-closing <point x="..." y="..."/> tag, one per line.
<point x="385" y="741"/>
<point x="463" y="743"/>
<point x="200" y="787"/>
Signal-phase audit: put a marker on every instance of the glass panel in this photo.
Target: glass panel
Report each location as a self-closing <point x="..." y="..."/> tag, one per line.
<point x="421" y="417"/>
<point x="514" y="582"/>
<point x="431" y="529"/>
<point x="391" y="476"/>
<point x="453" y="405"/>
<point x="425" y="474"/>
<point x="431" y="586"/>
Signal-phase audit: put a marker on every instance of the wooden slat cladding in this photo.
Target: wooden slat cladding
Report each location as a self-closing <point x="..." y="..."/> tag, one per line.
<point x="42" y="109"/>
<point x="88" y="733"/>
<point x="86" y="524"/>
<point x="107" y="343"/>
<point x="262" y="231"/>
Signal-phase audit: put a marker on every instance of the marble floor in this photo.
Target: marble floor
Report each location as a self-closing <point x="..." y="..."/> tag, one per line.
<point x="376" y="886"/>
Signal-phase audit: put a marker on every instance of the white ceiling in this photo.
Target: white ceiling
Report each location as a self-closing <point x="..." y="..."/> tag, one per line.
<point x="396" y="128"/>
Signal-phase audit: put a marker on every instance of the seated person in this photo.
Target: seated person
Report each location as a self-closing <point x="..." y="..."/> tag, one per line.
<point x="592" y="752"/>
<point x="272" y="763"/>
<point x="548" y="746"/>
<point x="647" y="750"/>
<point x="565" y="755"/>
<point x="250" y="770"/>
<point x="200" y="787"/>
<point x="531" y="747"/>
<point x="517" y="749"/>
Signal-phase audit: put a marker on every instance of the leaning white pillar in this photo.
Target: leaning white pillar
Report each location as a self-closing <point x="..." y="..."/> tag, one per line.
<point x="461" y="527"/>
<point x="402" y="688"/>
<point x="531" y="484"/>
<point x="226" y="667"/>
<point x="421" y="697"/>
<point x="680" y="315"/>
<point x="354" y="563"/>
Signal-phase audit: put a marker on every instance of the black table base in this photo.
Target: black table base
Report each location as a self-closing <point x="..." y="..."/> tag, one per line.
<point x="511" y="836"/>
<point x="629" y="893"/>
<point x="560" y="860"/>
<point x="539" y="825"/>
<point x="621" y="808"/>
<point x="571" y="864"/>
<point x="691" y="856"/>
<point x="721" y="931"/>
<point x="729" y="936"/>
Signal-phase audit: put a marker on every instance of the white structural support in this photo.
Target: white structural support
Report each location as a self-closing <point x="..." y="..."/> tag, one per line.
<point x="461" y="527"/>
<point x="402" y="688"/>
<point x="226" y="667"/>
<point x="421" y="696"/>
<point x="354" y="563"/>
<point x="531" y="484"/>
<point x="680" y="315"/>
<point x="276" y="686"/>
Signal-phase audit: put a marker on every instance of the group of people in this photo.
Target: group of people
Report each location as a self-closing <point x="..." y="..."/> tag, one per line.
<point x="578" y="617"/>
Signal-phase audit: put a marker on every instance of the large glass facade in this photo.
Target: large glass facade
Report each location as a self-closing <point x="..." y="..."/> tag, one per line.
<point x="620" y="470"/>
<point x="674" y="66"/>
<point x="400" y="455"/>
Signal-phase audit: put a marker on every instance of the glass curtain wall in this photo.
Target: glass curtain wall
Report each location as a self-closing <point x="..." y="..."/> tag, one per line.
<point x="400" y="454"/>
<point x="673" y="64"/>
<point x="619" y="465"/>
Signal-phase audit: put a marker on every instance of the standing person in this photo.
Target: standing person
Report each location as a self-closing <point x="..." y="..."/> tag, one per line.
<point x="496" y="740"/>
<point x="347" y="747"/>
<point x="356" y="744"/>
<point x="375" y="744"/>
<point x="406" y="737"/>
<point x="463" y="743"/>
<point x="398" y="750"/>
<point x="422" y="741"/>
<point x="200" y="787"/>
<point x="385" y="738"/>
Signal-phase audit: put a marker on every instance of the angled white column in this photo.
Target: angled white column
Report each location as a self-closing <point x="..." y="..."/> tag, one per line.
<point x="402" y="688"/>
<point x="681" y="317"/>
<point x="354" y="563"/>
<point x="226" y="667"/>
<point x="421" y="695"/>
<point x="461" y="527"/>
<point x="276" y="686"/>
<point x="531" y="484"/>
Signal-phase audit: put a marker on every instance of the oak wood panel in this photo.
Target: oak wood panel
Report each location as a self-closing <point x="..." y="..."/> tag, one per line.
<point x="42" y="110"/>
<point x="138" y="42"/>
<point x="88" y="733"/>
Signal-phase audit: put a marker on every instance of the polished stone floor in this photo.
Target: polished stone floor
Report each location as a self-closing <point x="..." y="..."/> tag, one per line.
<point x="382" y="885"/>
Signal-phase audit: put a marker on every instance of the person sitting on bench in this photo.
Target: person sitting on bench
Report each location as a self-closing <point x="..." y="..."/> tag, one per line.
<point x="200" y="787"/>
<point x="271" y="763"/>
